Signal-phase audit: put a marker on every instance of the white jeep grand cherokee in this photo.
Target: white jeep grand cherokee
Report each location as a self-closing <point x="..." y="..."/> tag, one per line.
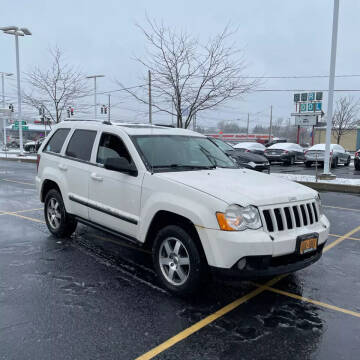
<point x="175" y="192"/>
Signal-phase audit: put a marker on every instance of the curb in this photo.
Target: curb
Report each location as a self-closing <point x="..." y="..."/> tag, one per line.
<point x="19" y="159"/>
<point x="354" y="189"/>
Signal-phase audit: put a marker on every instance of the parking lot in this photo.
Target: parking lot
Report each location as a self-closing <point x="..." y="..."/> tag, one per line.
<point x="347" y="172"/>
<point x="94" y="297"/>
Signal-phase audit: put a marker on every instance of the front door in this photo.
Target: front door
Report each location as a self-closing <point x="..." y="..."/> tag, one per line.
<point x="114" y="197"/>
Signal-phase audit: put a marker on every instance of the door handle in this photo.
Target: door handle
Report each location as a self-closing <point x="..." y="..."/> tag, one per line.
<point x="62" y="167"/>
<point x="96" y="177"/>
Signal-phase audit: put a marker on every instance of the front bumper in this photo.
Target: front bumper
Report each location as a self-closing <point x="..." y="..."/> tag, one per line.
<point x="223" y="249"/>
<point x="264" y="266"/>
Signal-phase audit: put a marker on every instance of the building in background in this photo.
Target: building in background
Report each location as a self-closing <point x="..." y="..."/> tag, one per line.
<point x="350" y="140"/>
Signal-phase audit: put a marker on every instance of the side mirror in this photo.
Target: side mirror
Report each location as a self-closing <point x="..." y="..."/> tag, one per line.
<point x="120" y="164"/>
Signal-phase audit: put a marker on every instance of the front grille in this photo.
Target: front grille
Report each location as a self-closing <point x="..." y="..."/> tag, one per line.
<point x="290" y="216"/>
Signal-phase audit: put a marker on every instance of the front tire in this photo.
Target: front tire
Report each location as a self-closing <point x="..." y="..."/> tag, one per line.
<point x="177" y="260"/>
<point x="58" y="221"/>
<point x="348" y="161"/>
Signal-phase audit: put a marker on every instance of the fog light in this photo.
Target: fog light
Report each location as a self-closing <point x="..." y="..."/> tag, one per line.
<point x="241" y="264"/>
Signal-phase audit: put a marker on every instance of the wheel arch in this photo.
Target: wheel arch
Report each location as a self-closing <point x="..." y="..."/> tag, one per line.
<point x="163" y="218"/>
<point x="47" y="185"/>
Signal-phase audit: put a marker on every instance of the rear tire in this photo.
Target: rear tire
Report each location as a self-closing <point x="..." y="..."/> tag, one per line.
<point x="357" y="165"/>
<point x="177" y="260"/>
<point x="58" y="221"/>
<point x="335" y="163"/>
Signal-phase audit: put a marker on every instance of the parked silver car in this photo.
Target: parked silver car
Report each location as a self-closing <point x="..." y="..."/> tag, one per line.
<point x="317" y="153"/>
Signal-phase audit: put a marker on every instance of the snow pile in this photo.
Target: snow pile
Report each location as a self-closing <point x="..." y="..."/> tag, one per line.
<point x="311" y="178"/>
<point x="15" y="155"/>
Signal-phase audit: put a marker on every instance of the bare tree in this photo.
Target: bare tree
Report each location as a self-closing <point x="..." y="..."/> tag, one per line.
<point x="188" y="77"/>
<point x="55" y="88"/>
<point x="346" y="116"/>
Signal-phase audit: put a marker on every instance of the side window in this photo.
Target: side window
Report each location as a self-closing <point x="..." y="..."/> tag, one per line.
<point x="56" y="142"/>
<point x="111" y="146"/>
<point x="80" y="144"/>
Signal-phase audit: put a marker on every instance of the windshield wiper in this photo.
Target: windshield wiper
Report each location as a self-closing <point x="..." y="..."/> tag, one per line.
<point x="210" y="157"/>
<point x="172" y="166"/>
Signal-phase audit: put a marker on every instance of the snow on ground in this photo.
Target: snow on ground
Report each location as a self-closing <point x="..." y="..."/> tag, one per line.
<point x="311" y="178"/>
<point x="14" y="154"/>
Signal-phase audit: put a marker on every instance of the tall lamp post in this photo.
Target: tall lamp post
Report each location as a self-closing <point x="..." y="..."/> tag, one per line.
<point x="14" y="30"/>
<point x="95" y="102"/>
<point x="3" y="74"/>
<point x="327" y="173"/>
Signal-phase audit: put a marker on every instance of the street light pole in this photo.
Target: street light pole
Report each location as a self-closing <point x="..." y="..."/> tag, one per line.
<point x="327" y="172"/>
<point x="14" y="30"/>
<point x="3" y="101"/>
<point x="95" y="94"/>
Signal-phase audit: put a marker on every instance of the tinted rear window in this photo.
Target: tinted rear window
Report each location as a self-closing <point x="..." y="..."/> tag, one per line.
<point x="57" y="140"/>
<point x="80" y="144"/>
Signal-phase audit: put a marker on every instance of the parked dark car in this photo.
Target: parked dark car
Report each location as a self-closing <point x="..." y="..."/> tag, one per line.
<point x="357" y="160"/>
<point x="275" y="141"/>
<point x="253" y="147"/>
<point x="243" y="159"/>
<point x="287" y="153"/>
<point x="33" y="146"/>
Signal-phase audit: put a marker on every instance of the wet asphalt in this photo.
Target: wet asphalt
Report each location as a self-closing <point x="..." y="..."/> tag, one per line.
<point x="93" y="297"/>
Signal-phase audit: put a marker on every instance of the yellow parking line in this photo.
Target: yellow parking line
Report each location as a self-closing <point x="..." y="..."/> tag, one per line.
<point x="2" y="212"/>
<point x="206" y="321"/>
<point x="348" y="238"/>
<point x="315" y="302"/>
<point x="341" y="238"/>
<point x="23" y="217"/>
<point x="17" y="182"/>
<point x="340" y="208"/>
<point x="209" y="319"/>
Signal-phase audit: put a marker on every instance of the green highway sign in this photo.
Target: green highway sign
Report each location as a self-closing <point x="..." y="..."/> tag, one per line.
<point x="319" y="96"/>
<point x="302" y="107"/>
<point x="310" y="106"/>
<point x="296" y="97"/>
<point x="304" y="96"/>
<point x="311" y="96"/>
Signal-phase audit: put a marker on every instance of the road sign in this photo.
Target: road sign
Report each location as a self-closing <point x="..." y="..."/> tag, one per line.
<point x="311" y="96"/>
<point x="318" y="106"/>
<point x="319" y="95"/>
<point x="302" y="107"/>
<point x="296" y="97"/>
<point x="305" y="120"/>
<point x="304" y="96"/>
<point x="310" y="106"/>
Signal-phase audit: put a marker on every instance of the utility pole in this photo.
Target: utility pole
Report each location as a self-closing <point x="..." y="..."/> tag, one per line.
<point x="247" y="128"/>
<point x="270" y="129"/>
<point x="327" y="172"/>
<point x="150" y="105"/>
<point x="3" y="102"/>
<point x="95" y="99"/>
<point x="109" y="108"/>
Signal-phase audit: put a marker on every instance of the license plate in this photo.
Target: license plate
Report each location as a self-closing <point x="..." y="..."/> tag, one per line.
<point x="307" y="245"/>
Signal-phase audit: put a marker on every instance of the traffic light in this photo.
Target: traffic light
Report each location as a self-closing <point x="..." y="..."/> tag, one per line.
<point x="102" y="109"/>
<point x="105" y="109"/>
<point x="72" y="111"/>
<point x="68" y="113"/>
<point x="11" y="107"/>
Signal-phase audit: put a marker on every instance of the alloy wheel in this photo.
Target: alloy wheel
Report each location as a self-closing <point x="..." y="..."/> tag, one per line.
<point x="53" y="213"/>
<point x="174" y="261"/>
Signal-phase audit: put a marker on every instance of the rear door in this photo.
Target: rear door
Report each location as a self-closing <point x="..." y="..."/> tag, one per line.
<point x="114" y="197"/>
<point x="76" y="166"/>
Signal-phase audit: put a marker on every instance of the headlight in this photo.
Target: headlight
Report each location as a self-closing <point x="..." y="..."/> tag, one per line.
<point x="237" y="218"/>
<point x="252" y="164"/>
<point x="318" y="203"/>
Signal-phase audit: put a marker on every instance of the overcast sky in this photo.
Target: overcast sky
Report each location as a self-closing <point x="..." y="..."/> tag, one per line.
<point x="280" y="38"/>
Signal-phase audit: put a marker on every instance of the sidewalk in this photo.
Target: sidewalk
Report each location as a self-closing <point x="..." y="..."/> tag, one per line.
<point x="338" y="184"/>
<point x="13" y="155"/>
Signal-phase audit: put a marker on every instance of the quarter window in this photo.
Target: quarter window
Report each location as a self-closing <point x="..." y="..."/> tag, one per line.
<point x="81" y="144"/>
<point x="111" y="146"/>
<point x="57" y="141"/>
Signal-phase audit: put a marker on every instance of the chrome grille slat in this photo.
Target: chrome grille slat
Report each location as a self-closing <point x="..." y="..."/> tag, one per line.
<point x="290" y="216"/>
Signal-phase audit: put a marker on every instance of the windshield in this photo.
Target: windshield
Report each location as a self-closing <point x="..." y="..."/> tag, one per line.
<point x="178" y="153"/>
<point x="222" y="145"/>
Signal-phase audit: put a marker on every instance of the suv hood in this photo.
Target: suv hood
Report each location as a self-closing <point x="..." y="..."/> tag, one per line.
<point x="242" y="186"/>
